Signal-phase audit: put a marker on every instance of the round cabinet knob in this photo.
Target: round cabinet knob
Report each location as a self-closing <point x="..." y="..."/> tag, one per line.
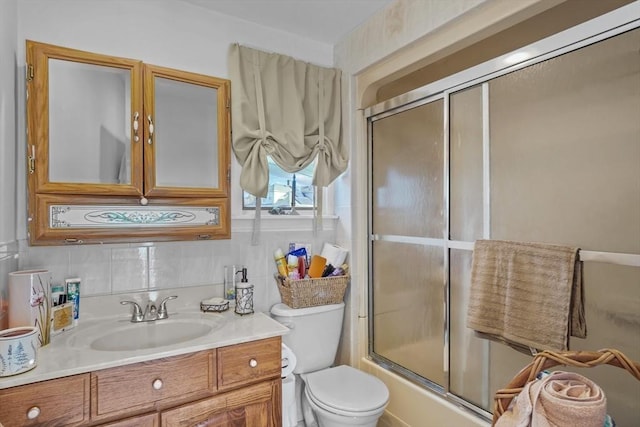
<point x="33" y="413"/>
<point x="144" y="201"/>
<point x="253" y="363"/>
<point x="157" y="384"/>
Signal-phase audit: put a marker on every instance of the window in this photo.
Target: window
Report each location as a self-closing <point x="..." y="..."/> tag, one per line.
<point x="282" y="185"/>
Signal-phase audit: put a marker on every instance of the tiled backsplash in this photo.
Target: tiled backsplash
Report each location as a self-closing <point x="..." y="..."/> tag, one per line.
<point x="118" y="268"/>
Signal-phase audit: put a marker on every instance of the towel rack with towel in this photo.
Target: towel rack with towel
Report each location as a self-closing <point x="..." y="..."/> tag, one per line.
<point x="526" y="294"/>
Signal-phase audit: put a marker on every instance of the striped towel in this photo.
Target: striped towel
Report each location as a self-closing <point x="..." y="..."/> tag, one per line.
<point x="527" y="295"/>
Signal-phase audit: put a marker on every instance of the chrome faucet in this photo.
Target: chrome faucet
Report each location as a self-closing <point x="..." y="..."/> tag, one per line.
<point x="151" y="313"/>
<point x="162" y="311"/>
<point x="137" y="314"/>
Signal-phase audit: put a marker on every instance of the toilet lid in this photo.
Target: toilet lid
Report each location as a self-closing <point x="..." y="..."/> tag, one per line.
<point x="346" y="389"/>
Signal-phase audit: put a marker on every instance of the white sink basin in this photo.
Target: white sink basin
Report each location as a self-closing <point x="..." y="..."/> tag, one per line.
<point x="127" y="336"/>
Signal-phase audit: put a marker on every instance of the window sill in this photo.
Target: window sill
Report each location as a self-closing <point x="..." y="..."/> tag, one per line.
<point x="243" y="223"/>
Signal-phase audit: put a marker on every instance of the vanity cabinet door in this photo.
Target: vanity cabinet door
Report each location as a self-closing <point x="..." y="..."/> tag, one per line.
<point x="146" y="386"/>
<point x="249" y="362"/>
<point x="259" y="405"/>
<point x="187" y="134"/>
<point x="84" y="122"/>
<point x="63" y="401"/>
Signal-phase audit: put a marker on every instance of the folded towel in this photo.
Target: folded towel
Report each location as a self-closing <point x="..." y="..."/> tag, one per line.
<point x="528" y="295"/>
<point x="557" y="400"/>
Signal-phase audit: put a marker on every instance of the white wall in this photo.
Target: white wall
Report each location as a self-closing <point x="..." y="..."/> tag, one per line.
<point x="179" y="35"/>
<point x="8" y="77"/>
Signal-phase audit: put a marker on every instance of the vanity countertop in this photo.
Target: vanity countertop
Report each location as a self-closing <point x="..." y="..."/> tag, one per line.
<point x="70" y="353"/>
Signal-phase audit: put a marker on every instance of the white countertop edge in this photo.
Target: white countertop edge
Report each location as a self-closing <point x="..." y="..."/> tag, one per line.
<point x="58" y="360"/>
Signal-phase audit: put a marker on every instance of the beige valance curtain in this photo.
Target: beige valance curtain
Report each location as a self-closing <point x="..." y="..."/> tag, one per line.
<point x="287" y="109"/>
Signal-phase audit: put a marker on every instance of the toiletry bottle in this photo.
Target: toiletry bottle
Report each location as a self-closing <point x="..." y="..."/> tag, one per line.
<point x="281" y="262"/>
<point x="292" y="266"/>
<point x="244" y="295"/>
<point x="73" y="295"/>
<point x="317" y="266"/>
<point x="302" y="266"/>
<point x="230" y="284"/>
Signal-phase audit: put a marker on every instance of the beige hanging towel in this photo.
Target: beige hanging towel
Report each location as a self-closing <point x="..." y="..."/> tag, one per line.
<point x="527" y="295"/>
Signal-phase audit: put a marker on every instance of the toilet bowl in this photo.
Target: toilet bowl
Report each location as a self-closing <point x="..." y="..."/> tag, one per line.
<point x="344" y="396"/>
<point x="336" y="396"/>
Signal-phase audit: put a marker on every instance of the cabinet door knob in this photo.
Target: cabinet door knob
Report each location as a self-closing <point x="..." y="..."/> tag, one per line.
<point x="157" y="384"/>
<point x="253" y="363"/>
<point x="33" y="413"/>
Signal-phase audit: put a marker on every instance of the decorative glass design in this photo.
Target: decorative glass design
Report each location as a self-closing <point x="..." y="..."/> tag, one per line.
<point x="77" y="216"/>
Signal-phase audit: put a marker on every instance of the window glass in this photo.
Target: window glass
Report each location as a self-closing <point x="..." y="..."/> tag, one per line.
<point x="281" y="188"/>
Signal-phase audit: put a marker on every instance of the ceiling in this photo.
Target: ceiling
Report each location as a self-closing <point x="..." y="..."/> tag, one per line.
<point x="325" y="21"/>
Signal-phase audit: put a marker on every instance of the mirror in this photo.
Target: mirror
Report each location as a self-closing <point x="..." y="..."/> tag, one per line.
<point x="186" y="129"/>
<point x="89" y="110"/>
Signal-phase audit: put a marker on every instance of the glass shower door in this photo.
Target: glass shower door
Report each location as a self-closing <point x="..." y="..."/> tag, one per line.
<point x="408" y="227"/>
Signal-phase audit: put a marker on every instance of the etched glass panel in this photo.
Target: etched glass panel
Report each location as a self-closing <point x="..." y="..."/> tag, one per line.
<point x="468" y="354"/>
<point x="565" y="149"/>
<point x="465" y="142"/>
<point x="408" y="316"/>
<point x="90" y="216"/>
<point x="408" y="153"/>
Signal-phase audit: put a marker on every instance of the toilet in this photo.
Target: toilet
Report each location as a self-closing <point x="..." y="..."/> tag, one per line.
<point x="336" y="396"/>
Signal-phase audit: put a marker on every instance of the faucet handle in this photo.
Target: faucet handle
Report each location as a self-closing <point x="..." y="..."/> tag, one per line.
<point x="137" y="315"/>
<point x="162" y="311"/>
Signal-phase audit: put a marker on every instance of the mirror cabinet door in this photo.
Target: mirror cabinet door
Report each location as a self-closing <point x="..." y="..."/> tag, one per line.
<point x="187" y="134"/>
<point x="82" y="111"/>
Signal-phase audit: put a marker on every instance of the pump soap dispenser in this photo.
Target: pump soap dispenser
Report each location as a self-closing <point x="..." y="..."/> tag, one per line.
<point x="244" y="295"/>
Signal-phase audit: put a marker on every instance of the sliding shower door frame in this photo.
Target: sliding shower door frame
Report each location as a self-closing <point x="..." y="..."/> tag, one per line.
<point x="609" y="25"/>
<point x="423" y="241"/>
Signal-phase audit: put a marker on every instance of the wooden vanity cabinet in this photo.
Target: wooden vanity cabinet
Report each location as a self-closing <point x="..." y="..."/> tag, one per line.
<point x="239" y="365"/>
<point x="259" y="405"/>
<point x="62" y="401"/>
<point x="147" y="386"/>
<point x="228" y="386"/>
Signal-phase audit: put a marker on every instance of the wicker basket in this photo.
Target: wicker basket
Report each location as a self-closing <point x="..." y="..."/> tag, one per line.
<point x="548" y="359"/>
<point x="312" y="292"/>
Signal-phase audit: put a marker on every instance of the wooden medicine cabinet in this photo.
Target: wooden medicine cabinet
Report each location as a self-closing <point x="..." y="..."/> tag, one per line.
<point x="123" y="151"/>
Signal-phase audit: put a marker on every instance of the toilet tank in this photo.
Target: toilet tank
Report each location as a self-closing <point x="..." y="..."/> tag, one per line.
<point x="314" y="334"/>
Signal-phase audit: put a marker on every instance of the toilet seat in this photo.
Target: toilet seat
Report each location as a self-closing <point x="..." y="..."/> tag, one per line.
<point x="346" y="391"/>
